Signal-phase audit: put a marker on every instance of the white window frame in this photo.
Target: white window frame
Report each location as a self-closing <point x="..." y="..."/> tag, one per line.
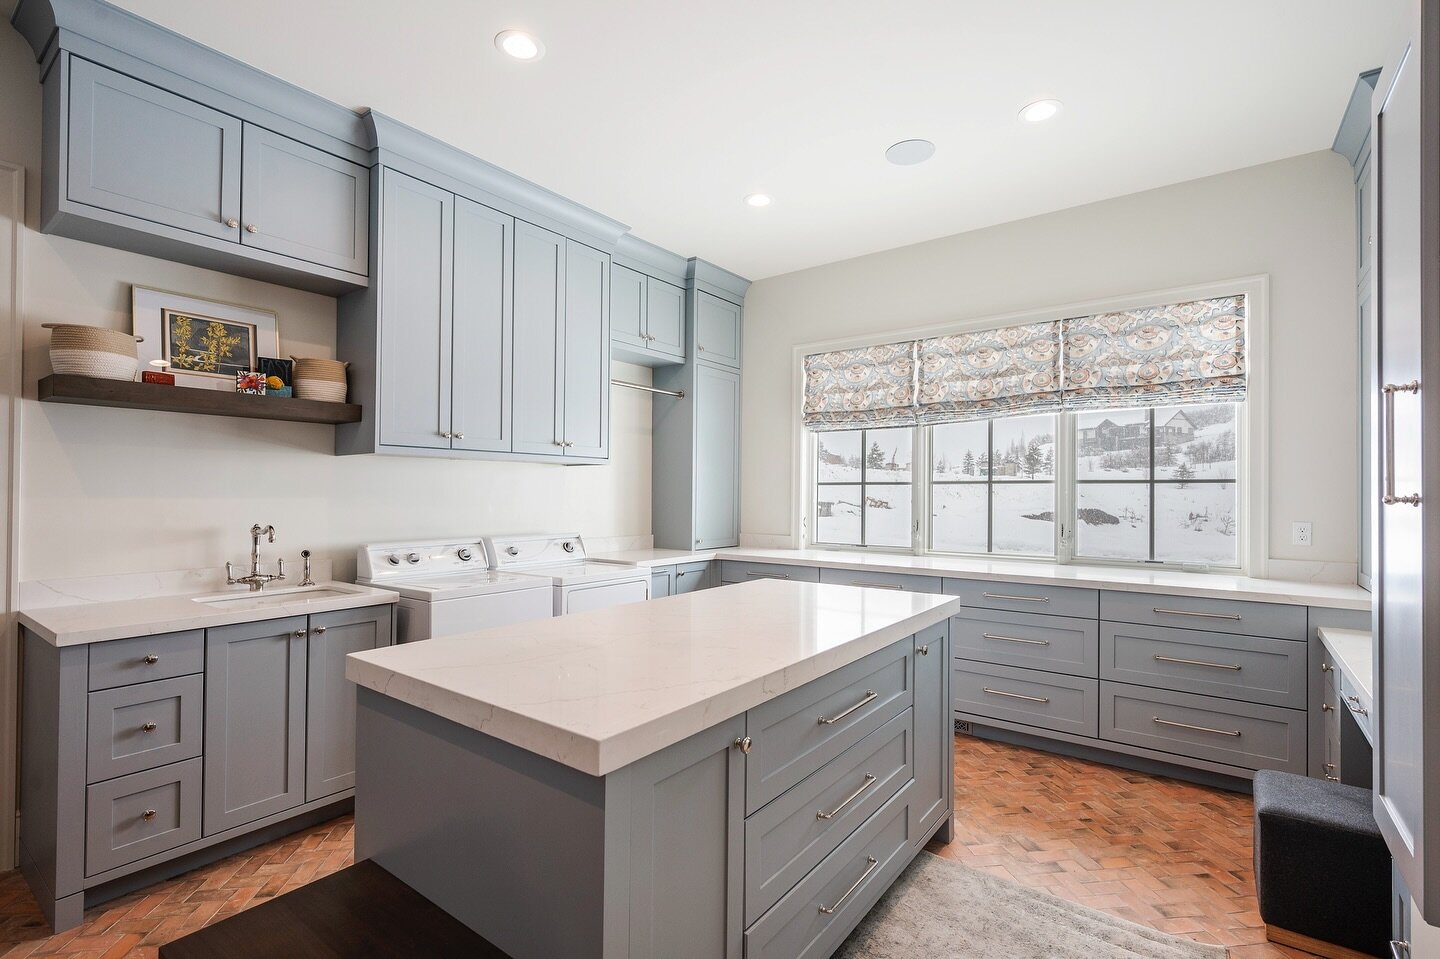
<point x="1252" y="421"/>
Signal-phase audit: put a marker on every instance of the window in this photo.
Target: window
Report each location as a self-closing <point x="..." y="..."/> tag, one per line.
<point x="1157" y="485"/>
<point x="863" y="487"/>
<point x="993" y="486"/>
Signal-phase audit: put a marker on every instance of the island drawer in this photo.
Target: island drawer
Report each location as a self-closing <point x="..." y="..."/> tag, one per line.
<point x="793" y="735"/>
<point x="1353" y="698"/>
<point x="140" y="815"/>
<point x="1271" y="671"/>
<point x="1048" y="700"/>
<point x="1246" y="735"/>
<point x="791" y="835"/>
<point x="1058" y="644"/>
<point x="860" y="577"/>
<point x="814" y="917"/>
<point x="1026" y="597"/>
<point x="1275" y="620"/>
<point x="733" y="571"/>
<point x="131" y="728"/>
<point x="125" y="661"/>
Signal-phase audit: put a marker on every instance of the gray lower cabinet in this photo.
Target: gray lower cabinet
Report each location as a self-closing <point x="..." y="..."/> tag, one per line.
<point x="137" y="751"/>
<point x="692" y="576"/>
<point x="662" y="581"/>
<point x="877" y="580"/>
<point x="254" y="721"/>
<point x="934" y="745"/>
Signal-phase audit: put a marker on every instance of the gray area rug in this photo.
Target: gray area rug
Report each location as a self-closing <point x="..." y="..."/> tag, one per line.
<point x="939" y="909"/>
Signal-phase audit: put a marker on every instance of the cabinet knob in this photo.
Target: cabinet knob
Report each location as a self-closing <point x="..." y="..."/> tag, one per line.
<point x="147" y="728"/>
<point x="232" y="223"/>
<point x="148" y="815"/>
<point x="251" y="228"/>
<point x="1326" y="708"/>
<point x="319" y="630"/>
<point x="448" y="436"/>
<point x="151" y="659"/>
<point x="458" y="436"/>
<point x="1326" y="668"/>
<point x="743" y="744"/>
<point x="699" y="347"/>
<point x="923" y="650"/>
<point x="300" y="634"/>
<point x="1333" y="779"/>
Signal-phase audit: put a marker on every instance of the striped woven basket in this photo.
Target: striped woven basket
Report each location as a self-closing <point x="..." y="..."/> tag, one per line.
<point x="92" y="351"/>
<point x="317" y="379"/>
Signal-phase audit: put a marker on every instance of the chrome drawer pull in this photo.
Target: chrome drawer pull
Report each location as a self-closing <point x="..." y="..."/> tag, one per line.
<point x="1388" y="429"/>
<point x="1015" y="639"/>
<point x="1333" y="779"/>
<point x="151" y="659"/>
<point x="148" y="727"/>
<point x="870" y="696"/>
<point x="148" y="815"/>
<point x="873" y="862"/>
<point x="1017" y="599"/>
<point x="877" y="585"/>
<point x="768" y="575"/>
<point x="1190" y="612"/>
<point x="1001" y="692"/>
<point x="1196" y="662"/>
<point x="923" y="650"/>
<point x="870" y="780"/>
<point x="1354" y="703"/>
<point x="1198" y="729"/>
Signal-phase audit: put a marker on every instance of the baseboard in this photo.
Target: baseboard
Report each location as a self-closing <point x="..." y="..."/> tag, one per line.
<point x="1328" y="950"/>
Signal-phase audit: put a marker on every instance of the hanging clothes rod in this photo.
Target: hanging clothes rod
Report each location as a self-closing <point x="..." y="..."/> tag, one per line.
<point x="679" y="394"/>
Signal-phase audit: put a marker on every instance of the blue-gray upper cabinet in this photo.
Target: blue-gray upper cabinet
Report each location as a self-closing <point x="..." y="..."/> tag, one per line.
<point x="302" y="202"/>
<point x="585" y="383"/>
<point x="142" y="151"/>
<point x="717" y="458"/>
<point x="413" y="405"/>
<point x="538" y="360"/>
<point x="483" y="330"/>
<point x="717" y="330"/>
<point x="133" y="165"/>
<point x="647" y="318"/>
<point x="254" y="721"/>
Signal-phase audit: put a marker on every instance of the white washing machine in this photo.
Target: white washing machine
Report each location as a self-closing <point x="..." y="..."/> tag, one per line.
<point x="447" y="587"/>
<point x="579" y="583"/>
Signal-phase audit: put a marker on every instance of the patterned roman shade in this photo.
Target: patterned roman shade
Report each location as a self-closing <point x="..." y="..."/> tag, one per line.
<point x="1157" y="356"/>
<point x="1005" y="372"/>
<point x="860" y="389"/>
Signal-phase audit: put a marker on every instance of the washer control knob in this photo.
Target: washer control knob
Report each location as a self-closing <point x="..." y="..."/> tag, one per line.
<point x="465" y="554"/>
<point x="394" y="560"/>
<point x="413" y="558"/>
<point x="568" y="546"/>
<point x="512" y="550"/>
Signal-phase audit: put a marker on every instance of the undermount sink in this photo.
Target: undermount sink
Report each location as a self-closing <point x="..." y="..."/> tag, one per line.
<point x="278" y="597"/>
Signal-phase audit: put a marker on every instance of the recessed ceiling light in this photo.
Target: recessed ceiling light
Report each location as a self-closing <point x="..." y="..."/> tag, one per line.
<point x="519" y="44"/>
<point x="1040" y="111"/>
<point x="758" y="199"/>
<point x="910" y="152"/>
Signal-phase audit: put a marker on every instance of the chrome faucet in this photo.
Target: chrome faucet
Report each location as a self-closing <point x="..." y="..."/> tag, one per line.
<point x="256" y="580"/>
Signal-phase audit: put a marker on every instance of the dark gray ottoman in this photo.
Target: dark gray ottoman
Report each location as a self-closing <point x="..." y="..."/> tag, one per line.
<point x="1322" y="870"/>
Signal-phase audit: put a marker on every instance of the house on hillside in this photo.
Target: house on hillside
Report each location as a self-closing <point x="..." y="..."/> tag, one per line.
<point x="1107" y="436"/>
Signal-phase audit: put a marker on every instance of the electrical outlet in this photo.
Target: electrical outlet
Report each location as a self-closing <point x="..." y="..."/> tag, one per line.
<point x="1301" y="534"/>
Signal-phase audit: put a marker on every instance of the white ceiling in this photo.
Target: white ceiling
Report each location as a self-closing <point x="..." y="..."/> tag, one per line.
<point x="665" y="113"/>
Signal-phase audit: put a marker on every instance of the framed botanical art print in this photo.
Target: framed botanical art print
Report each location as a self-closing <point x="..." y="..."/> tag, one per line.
<point x="203" y="342"/>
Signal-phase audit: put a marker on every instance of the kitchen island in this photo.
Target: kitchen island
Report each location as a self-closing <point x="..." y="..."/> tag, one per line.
<point x="737" y="770"/>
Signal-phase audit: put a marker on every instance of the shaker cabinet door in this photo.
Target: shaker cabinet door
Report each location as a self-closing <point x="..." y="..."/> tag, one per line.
<point x="415" y="312"/>
<point x="717" y="463"/>
<point x="483" y="328"/>
<point x="254" y="721"/>
<point x="304" y="203"/>
<point x="539" y="312"/>
<point x="627" y="306"/>
<point x="717" y="330"/>
<point x="144" y="152"/>
<point x="665" y="318"/>
<point x="330" y="708"/>
<point x="586" y="349"/>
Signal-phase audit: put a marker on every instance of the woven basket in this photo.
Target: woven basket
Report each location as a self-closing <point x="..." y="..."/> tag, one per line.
<point x="317" y="379"/>
<point x="92" y="351"/>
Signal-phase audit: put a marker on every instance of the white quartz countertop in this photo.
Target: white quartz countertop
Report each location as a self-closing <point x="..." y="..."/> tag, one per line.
<point x="1352" y="649"/>
<point x="596" y="691"/>
<point x="82" y="623"/>
<point x="657" y="557"/>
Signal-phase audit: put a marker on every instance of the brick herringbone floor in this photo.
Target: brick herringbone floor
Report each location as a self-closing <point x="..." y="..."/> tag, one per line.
<point x="1157" y="851"/>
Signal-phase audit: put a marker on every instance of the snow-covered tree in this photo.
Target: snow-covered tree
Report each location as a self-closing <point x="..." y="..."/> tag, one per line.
<point x="875" y="458"/>
<point x="967" y="465"/>
<point x="1165" y="455"/>
<point x="1033" y="459"/>
<point x="1048" y="466"/>
<point x="1184" y="473"/>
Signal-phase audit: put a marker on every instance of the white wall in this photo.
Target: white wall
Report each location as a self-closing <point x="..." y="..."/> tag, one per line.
<point x="1293" y="219"/>
<point x="107" y="491"/>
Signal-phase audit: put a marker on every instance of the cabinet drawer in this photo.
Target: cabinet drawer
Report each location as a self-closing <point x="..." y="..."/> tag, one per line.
<point x="791" y="835"/>
<point x="1270" y="671"/>
<point x="140" y="815"/>
<point x="691" y="576"/>
<point x="1049" y="700"/>
<point x="143" y="726"/>
<point x="814" y="917"/>
<point x="139" y="660"/>
<point x="860" y="577"/>
<point x="1359" y="704"/>
<point x="797" y="733"/>
<point x="1054" y="643"/>
<point x="1026" y="597"/>
<point x="1274" y="620"/>
<point x="1247" y="735"/>
<point x="738" y="572"/>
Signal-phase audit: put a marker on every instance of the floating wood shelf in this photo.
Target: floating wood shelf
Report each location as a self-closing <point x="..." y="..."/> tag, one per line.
<point x="89" y="391"/>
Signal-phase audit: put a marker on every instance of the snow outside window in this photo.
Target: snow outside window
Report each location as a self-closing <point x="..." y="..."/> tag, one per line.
<point x="992" y="486"/>
<point x="863" y="488"/>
